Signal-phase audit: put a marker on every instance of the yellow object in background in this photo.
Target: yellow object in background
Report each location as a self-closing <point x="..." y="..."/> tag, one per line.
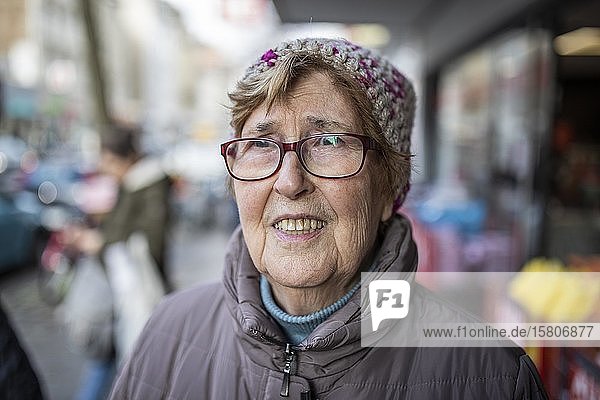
<point x="548" y="292"/>
<point x="577" y="300"/>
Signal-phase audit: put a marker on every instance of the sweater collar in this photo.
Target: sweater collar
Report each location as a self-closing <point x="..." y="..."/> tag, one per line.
<point x="298" y="327"/>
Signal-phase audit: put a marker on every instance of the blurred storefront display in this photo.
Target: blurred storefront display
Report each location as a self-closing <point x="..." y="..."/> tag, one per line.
<point x="493" y="105"/>
<point x="515" y="149"/>
<point x="516" y="152"/>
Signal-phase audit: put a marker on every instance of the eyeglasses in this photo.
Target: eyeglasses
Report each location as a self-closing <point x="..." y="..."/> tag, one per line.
<point x="325" y="155"/>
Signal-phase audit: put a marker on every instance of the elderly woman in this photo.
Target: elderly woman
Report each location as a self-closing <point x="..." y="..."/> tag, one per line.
<point x="320" y="162"/>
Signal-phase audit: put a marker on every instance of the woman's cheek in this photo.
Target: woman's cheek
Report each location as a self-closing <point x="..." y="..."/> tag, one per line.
<point x="251" y="200"/>
<point x="356" y="229"/>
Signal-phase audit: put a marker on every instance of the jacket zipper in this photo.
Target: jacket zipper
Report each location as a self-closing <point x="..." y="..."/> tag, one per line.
<point x="287" y="369"/>
<point x="290" y="358"/>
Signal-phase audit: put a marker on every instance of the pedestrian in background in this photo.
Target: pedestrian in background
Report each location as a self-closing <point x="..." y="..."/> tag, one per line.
<point x="142" y="206"/>
<point x="143" y="198"/>
<point x="320" y="164"/>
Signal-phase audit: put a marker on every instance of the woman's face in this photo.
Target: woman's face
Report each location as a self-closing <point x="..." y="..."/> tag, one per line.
<point x="346" y="212"/>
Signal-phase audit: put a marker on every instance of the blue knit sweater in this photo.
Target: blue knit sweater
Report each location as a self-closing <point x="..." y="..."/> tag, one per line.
<point x="298" y="327"/>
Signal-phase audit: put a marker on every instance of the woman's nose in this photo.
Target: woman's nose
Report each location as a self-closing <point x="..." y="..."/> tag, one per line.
<point x="292" y="180"/>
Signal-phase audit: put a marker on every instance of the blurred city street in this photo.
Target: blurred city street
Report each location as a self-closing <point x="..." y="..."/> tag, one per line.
<point x="196" y="256"/>
<point x="504" y="148"/>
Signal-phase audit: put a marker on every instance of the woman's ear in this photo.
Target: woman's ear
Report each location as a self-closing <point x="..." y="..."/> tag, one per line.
<point x="388" y="210"/>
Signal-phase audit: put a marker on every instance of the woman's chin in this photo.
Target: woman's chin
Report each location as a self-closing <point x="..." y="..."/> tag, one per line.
<point x="297" y="277"/>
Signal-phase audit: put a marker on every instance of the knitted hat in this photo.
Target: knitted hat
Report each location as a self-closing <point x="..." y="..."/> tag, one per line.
<point x="390" y="92"/>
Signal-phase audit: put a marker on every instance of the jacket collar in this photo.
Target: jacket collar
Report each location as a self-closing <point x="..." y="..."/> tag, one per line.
<point x="397" y="253"/>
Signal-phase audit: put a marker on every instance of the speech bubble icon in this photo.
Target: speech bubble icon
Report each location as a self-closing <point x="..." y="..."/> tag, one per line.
<point x="389" y="299"/>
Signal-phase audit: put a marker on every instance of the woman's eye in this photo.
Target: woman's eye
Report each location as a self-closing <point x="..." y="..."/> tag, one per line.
<point x="330" y="141"/>
<point x="261" y="143"/>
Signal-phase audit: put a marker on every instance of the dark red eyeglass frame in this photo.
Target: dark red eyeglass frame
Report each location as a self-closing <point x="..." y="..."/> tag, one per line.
<point x="367" y="142"/>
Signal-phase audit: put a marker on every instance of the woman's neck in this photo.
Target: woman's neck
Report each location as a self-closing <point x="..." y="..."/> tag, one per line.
<point x="303" y="301"/>
<point x="298" y="327"/>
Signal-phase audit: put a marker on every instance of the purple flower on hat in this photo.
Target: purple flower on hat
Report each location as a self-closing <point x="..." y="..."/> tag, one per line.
<point x="269" y="57"/>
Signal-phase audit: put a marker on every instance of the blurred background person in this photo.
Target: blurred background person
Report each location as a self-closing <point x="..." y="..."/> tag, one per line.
<point x="142" y="205"/>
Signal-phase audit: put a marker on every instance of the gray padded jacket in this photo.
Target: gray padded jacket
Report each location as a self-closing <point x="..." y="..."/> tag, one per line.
<point x="217" y="341"/>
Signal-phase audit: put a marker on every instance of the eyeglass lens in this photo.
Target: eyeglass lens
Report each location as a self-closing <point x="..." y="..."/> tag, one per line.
<point x="252" y="158"/>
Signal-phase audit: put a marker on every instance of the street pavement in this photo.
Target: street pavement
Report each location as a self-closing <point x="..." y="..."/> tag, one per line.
<point x="196" y="256"/>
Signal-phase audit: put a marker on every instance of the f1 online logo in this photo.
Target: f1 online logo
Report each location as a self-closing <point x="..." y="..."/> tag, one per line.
<point x="389" y="299"/>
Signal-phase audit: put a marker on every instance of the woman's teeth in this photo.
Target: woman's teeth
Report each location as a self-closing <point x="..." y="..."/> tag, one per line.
<point x="299" y="226"/>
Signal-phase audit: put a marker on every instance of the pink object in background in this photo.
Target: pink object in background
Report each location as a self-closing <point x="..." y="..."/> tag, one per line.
<point x="95" y="195"/>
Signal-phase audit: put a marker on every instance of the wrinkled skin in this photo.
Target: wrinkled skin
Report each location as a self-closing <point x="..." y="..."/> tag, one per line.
<point x="309" y="272"/>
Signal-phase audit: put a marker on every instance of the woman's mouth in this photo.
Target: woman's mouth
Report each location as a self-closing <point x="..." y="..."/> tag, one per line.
<point x="299" y="226"/>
